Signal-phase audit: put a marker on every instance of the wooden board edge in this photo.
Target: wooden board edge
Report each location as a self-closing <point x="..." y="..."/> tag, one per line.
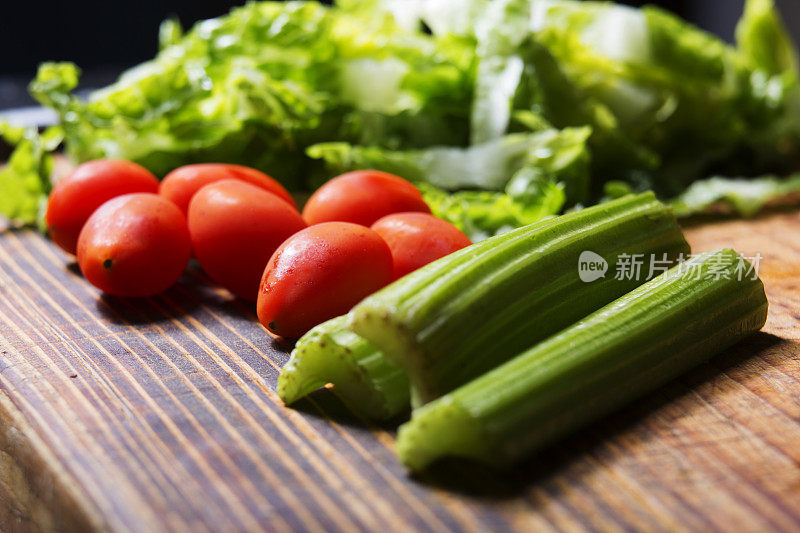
<point x="36" y="493"/>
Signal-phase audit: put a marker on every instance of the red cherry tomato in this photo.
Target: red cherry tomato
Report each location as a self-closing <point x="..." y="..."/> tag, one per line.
<point x="235" y="227"/>
<point x="180" y="185"/>
<point x="362" y="197"/>
<point x="320" y="273"/>
<point x="89" y="186"/>
<point x="417" y="239"/>
<point x="134" y="245"/>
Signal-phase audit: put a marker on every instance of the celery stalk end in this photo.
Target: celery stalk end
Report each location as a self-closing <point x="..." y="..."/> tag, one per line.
<point x="368" y="384"/>
<point x="447" y="430"/>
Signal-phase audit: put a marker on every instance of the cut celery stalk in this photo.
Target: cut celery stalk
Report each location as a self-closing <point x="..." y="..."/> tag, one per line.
<point x="613" y="356"/>
<point x="466" y="313"/>
<point x="367" y="383"/>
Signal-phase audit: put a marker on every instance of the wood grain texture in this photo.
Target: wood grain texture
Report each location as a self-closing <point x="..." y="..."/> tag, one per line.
<point x="161" y="415"/>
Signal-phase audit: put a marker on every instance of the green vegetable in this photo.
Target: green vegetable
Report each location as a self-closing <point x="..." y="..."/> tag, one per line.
<point x="628" y="348"/>
<point x="554" y="155"/>
<point x="442" y="17"/>
<point x="741" y="196"/>
<point x="481" y="214"/>
<point x="510" y="182"/>
<point x="25" y="179"/>
<point x="763" y="39"/>
<point x="366" y="382"/>
<point x="668" y="103"/>
<point x="464" y="314"/>
<point x="260" y="84"/>
<point x="507" y="97"/>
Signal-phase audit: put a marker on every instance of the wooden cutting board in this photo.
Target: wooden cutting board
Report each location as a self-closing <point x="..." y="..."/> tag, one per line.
<point x="161" y="414"/>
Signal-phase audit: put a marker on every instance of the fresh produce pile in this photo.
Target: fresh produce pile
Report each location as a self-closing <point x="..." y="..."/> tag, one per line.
<point x="501" y="347"/>
<point x="445" y="122"/>
<point x="504" y="112"/>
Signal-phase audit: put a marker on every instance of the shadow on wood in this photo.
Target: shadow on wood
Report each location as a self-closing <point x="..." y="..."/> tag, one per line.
<point x="138" y="311"/>
<point x="473" y="479"/>
<point x="324" y="403"/>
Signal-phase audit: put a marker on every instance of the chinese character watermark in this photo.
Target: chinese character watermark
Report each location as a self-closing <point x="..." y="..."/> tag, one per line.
<point x="643" y="267"/>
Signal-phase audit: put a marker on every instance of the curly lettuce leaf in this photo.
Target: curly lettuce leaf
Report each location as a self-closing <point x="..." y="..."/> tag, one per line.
<point x="515" y="162"/>
<point x="482" y="214"/>
<point x="667" y="102"/>
<point x="487" y="166"/>
<point x="577" y="33"/>
<point x="25" y="179"/>
<point x="487" y="188"/>
<point x="442" y="17"/>
<point x="512" y="105"/>
<point x="259" y="85"/>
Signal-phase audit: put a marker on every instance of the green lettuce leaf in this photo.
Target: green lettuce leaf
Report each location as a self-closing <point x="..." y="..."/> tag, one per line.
<point x="667" y="103"/>
<point x="482" y="214"/>
<point x="259" y="85"/>
<point x="763" y="40"/>
<point x="442" y="17"/>
<point x="514" y="163"/>
<point x="487" y="188"/>
<point x="516" y="108"/>
<point x="25" y="179"/>
<point x="740" y="196"/>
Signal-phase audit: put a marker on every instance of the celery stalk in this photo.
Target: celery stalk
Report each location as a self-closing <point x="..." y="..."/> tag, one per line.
<point x="367" y="383"/>
<point x="628" y="348"/>
<point x="466" y="313"/>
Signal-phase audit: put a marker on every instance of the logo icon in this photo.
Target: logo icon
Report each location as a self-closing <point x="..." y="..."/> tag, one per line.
<point x="591" y="266"/>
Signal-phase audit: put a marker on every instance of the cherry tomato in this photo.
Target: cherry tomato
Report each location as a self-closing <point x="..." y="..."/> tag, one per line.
<point x="91" y="184"/>
<point x="320" y="273"/>
<point x="362" y="197"/>
<point x="417" y="239"/>
<point x="235" y="227"/>
<point x="181" y="184"/>
<point x="134" y="245"/>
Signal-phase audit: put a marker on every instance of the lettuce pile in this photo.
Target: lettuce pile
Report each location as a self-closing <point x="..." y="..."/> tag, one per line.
<point x="504" y="111"/>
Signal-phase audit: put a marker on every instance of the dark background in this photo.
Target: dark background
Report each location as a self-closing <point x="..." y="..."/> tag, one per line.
<point x="106" y="36"/>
